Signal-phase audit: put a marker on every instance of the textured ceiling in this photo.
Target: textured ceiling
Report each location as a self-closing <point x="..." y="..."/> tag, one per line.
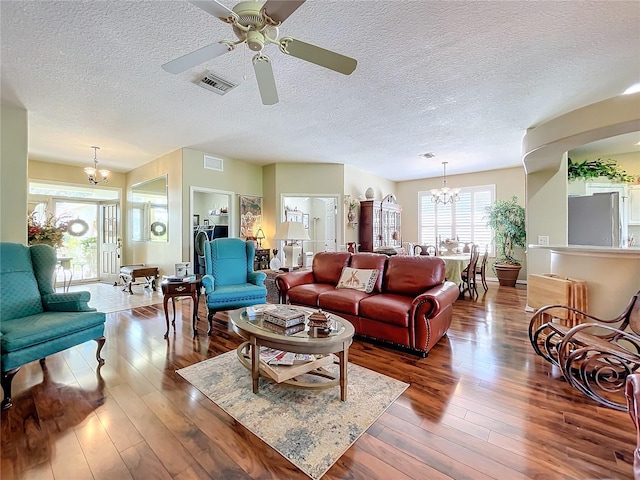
<point x="463" y="80"/>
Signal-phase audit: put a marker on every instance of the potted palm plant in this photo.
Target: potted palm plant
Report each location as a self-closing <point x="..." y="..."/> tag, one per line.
<point x="506" y="219"/>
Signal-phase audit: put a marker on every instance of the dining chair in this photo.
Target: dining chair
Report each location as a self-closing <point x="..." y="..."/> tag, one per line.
<point x="482" y="268"/>
<point x="468" y="275"/>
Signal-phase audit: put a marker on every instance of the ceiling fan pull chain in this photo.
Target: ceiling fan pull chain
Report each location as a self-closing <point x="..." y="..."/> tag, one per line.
<point x="244" y="63"/>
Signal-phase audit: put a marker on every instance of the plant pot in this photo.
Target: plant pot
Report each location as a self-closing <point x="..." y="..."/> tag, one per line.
<point x="507" y="274"/>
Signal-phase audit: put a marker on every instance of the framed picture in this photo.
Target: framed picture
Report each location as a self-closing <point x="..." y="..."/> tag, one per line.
<point x="250" y="216"/>
<point x="205" y="222"/>
<point x="305" y="220"/>
<point x="196" y="220"/>
<point x="292" y="216"/>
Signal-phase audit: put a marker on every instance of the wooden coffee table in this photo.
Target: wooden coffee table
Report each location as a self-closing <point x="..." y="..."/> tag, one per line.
<point x="256" y="334"/>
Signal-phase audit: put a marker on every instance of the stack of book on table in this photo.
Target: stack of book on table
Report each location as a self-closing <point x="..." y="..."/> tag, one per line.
<point x="285" y="317"/>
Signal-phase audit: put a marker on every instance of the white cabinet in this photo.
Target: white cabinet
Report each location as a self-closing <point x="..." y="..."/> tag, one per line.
<point x="634" y="205"/>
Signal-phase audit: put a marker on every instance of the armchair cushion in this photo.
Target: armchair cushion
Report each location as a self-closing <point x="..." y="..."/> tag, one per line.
<point x="22" y="332"/>
<point x="68" y="302"/>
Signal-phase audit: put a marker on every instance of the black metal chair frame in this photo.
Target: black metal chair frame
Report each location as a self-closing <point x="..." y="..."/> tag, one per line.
<point x="595" y="356"/>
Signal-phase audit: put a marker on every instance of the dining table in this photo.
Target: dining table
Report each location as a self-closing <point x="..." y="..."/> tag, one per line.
<point x="454" y="265"/>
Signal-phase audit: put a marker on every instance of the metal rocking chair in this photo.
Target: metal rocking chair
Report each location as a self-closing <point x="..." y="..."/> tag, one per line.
<point x="595" y="356"/>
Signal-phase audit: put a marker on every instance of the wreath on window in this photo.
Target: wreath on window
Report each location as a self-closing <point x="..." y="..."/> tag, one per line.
<point x="77" y="227"/>
<point x="158" y="229"/>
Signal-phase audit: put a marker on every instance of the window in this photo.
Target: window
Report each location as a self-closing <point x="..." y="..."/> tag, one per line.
<point x="463" y="220"/>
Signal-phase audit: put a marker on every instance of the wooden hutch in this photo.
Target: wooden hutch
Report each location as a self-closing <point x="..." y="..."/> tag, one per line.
<point x="379" y="224"/>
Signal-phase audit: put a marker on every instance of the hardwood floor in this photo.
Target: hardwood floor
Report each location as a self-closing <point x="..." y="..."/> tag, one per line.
<point x="480" y="406"/>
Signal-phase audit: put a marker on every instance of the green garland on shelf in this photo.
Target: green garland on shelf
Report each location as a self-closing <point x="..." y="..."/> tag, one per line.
<point x="590" y="169"/>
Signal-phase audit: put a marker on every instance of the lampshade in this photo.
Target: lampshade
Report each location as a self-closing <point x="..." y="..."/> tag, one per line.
<point x="291" y="231"/>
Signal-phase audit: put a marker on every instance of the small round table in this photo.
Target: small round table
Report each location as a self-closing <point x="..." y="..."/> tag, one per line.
<point x="258" y="333"/>
<point x="188" y="287"/>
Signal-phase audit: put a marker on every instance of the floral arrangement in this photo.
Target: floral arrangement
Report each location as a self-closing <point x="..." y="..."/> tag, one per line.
<point x="49" y="231"/>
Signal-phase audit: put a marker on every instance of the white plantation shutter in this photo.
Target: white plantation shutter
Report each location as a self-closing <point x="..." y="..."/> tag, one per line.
<point x="463" y="220"/>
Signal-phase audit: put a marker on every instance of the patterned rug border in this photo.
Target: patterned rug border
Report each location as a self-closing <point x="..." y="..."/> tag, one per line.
<point x="230" y="389"/>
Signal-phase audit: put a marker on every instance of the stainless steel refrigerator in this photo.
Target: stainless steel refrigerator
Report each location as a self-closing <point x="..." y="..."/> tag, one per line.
<point x="595" y="220"/>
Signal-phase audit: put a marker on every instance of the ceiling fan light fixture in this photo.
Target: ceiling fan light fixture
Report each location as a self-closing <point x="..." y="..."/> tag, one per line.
<point x="255" y="40"/>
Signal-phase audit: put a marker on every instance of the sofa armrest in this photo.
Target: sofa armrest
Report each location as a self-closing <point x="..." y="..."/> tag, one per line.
<point x="67" y="302"/>
<point x="208" y="282"/>
<point x="286" y="281"/>
<point x="257" y="278"/>
<point x="434" y="300"/>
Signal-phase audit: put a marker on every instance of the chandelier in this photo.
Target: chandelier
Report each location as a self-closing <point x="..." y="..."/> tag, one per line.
<point x="92" y="172"/>
<point x="445" y="194"/>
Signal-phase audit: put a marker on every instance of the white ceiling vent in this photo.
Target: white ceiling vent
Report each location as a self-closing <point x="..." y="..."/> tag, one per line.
<point x="216" y="84"/>
<point x="213" y="163"/>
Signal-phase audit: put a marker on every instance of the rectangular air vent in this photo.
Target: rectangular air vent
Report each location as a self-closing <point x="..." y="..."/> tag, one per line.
<point x="213" y="163"/>
<point x="216" y="84"/>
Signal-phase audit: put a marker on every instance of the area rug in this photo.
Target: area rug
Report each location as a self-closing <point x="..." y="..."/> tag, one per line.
<point x="311" y="429"/>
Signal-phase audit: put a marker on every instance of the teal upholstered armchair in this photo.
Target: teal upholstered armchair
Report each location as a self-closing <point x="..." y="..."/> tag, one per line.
<point x="35" y="321"/>
<point x="230" y="281"/>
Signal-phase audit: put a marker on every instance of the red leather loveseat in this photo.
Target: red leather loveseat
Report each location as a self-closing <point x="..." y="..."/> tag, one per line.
<point x="410" y="306"/>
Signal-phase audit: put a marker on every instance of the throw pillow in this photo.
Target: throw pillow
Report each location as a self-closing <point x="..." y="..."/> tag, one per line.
<point x="358" y="279"/>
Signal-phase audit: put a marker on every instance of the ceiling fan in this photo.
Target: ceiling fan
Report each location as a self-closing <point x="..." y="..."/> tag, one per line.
<point x="255" y="24"/>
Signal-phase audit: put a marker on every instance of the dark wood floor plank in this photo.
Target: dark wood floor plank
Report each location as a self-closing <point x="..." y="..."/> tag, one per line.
<point x="404" y="463"/>
<point x="69" y="460"/>
<point x="171" y="453"/>
<point x="121" y="431"/>
<point x="102" y="456"/>
<point x="476" y="454"/>
<point x="144" y="464"/>
<point x="210" y="458"/>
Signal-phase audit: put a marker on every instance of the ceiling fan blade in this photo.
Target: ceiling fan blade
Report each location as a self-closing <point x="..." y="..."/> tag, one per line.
<point x="196" y="57"/>
<point x="318" y="55"/>
<point x="214" y="8"/>
<point x="279" y="10"/>
<point x="266" y="81"/>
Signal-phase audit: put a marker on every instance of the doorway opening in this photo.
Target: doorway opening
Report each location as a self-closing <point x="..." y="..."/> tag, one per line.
<point x="319" y="214"/>
<point x="212" y="212"/>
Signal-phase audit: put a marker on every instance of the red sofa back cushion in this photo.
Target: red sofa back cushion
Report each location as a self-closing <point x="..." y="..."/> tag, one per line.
<point x="410" y="276"/>
<point x="327" y="266"/>
<point x="370" y="261"/>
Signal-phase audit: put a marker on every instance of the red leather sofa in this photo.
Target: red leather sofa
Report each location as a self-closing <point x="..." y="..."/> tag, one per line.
<point x="410" y="306"/>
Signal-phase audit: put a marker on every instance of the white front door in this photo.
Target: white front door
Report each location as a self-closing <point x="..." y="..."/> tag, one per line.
<point x="110" y="242"/>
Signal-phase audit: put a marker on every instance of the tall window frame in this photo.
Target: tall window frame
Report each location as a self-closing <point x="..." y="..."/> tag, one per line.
<point x="463" y="220"/>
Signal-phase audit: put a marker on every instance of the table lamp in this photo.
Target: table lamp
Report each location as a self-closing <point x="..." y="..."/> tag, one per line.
<point x="291" y="232"/>
<point x="260" y="236"/>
